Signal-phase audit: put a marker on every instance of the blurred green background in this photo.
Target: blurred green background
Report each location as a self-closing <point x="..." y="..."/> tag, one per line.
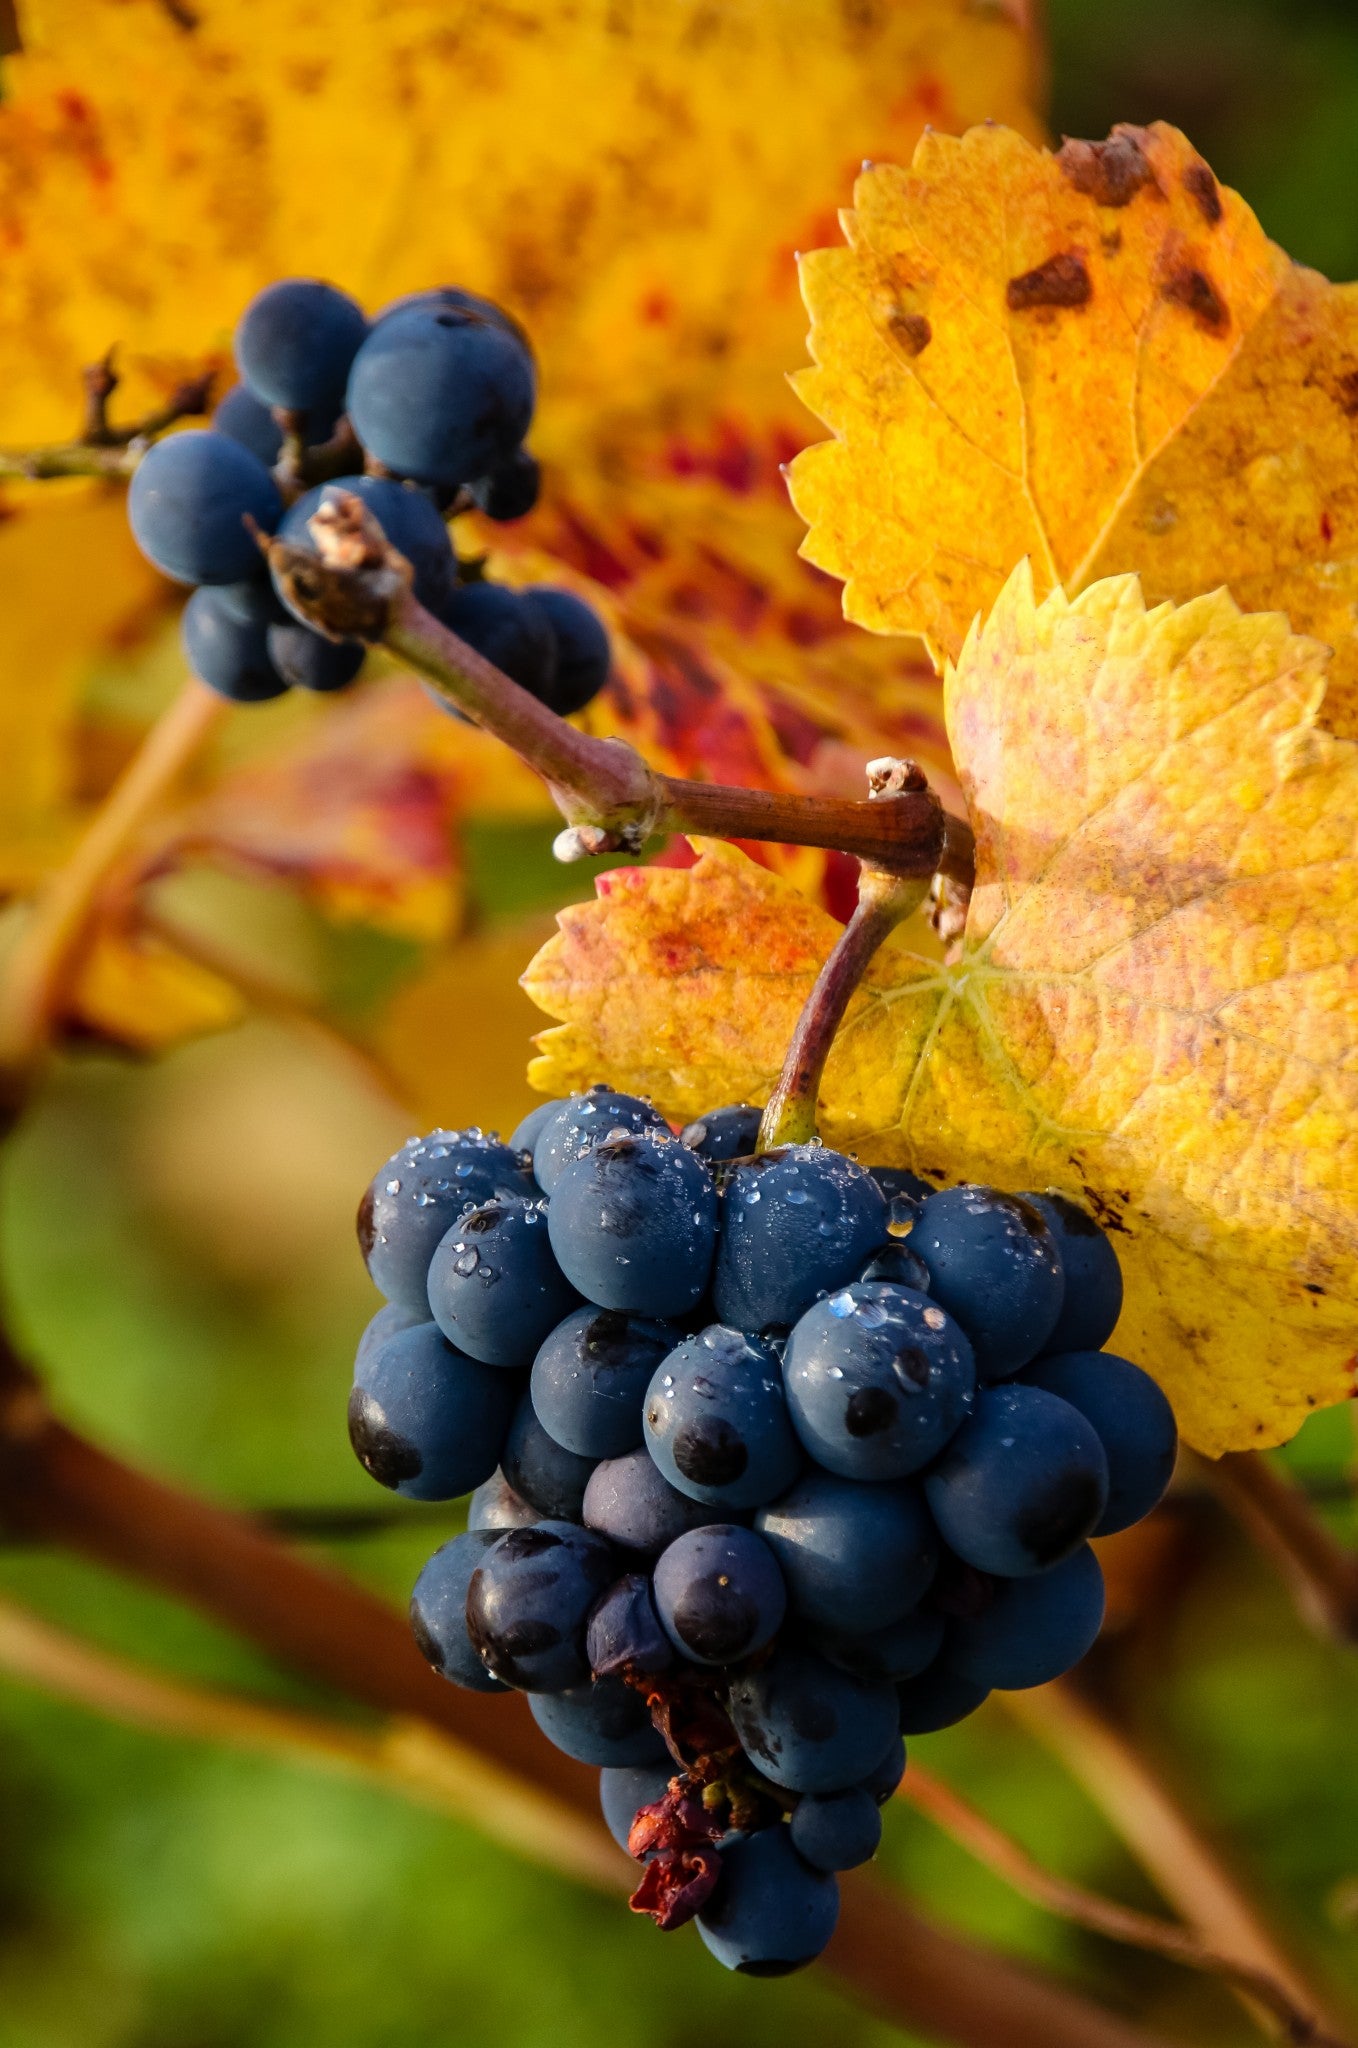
<point x="178" y="1248"/>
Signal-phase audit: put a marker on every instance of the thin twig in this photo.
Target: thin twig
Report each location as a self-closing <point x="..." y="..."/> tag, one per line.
<point x="1321" y="1570"/>
<point x="404" y="1754"/>
<point x="1183" y="1865"/>
<point x="100" y="449"/>
<point x="48" y="952"/>
<point x="352" y="584"/>
<point x="990" y="1845"/>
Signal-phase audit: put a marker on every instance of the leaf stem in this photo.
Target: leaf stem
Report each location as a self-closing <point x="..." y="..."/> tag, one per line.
<point x="999" y="1852"/>
<point x="1322" y="1571"/>
<point x="47" y="952"/>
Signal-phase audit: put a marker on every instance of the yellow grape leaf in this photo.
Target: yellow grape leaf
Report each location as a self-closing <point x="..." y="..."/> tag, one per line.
<point x="140" y="993"/>
<point x="1156" y="1003"/>
<point x="1095" y="359"/>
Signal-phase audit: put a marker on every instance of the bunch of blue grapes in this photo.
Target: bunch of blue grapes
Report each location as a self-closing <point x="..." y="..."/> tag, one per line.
<point x="431" y="400"/>
<point x="777" y="1460"/>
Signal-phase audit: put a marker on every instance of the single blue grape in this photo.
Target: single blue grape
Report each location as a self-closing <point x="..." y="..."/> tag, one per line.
<point x="528" y="1606"/>
<point x="717" y="1421"/>
<point x="590" y="1379"/>
<point x="634" y="1225"/>
<point x="886" y="1775"/>
<point x="226" y="648"/>
<point x="525" y="1135"/>
<point x="771" y="1913"/>
<point x="809" y="1726"/>
<point x="630" y="1501"/>
<point x="1132" y="1419"/>
<point x="720" y="1594"/>
<point x="425" y="1420"/>
<point x="1021" y="1485"/>
<point x="550" y="1479"/>
<point x="389" y="1321"/>
<point x="495" y="1287"/>
<point x="878" y="1379"/>
<point x="295" y="342"/>
<point x="898" y="1264"/>
<point x="187" y="505"/>
<point x="584" y="654"/>
<point x="1033" y="1629"/>
<point x="898" y="1652"/>
<point x="308" y="661"/>
<point x="796" y="1223"/>
<point x="511" y="489"/>
<point x="836" y="1830"/>
<point x="438" y="1611"/>
<point x="405" y="516"/>
<point x="441" y="398"/>
<point x="994" y="1265"/>
<point x="854" y="1557"/>
<point x="583" y="1121"/>
<point x="1093" y="1298"/>
<point x="624" y="1791"/>
<point x="605" y="1724"/>
<point x="625" y="1634"/>
<point x="720" y="1135"/>
<point x="506" y="630"/>
<point x="938" y="1698"/>
<point x="423" y="1189"/>
<point x="495" y="1505"/>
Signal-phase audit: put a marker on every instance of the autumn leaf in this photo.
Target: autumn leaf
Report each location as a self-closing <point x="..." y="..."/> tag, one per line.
<point x="1095" y="359"/>
<point x="1156" y="1003"/>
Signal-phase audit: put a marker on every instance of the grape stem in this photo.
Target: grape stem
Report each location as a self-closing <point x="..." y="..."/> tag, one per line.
<point x="101" y="449"/>
<point x="884" y="901"/>
<point x="351" y="583"/>
<point x="999" y="1852"/>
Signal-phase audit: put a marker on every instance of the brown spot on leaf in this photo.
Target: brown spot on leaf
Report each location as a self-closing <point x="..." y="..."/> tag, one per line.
<point x="1202" y="189"/>
<point x="912" y="331"/>
<point x="1347" y="389"/>
<point x="1060" y="281"/>
<point x="1110" y="173"/>
<point x="1194" y="290"/>
<point x="1111" y="243"/>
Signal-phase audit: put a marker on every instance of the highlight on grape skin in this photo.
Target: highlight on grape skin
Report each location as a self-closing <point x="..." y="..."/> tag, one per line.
<point x="435" y="394"/>
<point x="732" y="1565"/>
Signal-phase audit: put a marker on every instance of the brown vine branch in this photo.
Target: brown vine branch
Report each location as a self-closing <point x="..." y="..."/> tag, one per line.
<point x="47" y="953"/>
<point x="1322" y="1571"/>
<point x="999" y="1852"/>
<point x="56" y="1487"/>
<point x="1183" y="1865"/>
<point x="351" y="584"/>
<point x="102" y="449"/>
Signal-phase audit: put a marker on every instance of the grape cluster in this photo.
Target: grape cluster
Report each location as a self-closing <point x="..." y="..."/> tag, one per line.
<point x="777" y="1459"/>
<point x="438" y="393"/>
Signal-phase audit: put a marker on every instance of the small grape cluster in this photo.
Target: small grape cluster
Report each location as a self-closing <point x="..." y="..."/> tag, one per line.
<point x="434" y="397"/>
<point x="778" y="1460"/>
